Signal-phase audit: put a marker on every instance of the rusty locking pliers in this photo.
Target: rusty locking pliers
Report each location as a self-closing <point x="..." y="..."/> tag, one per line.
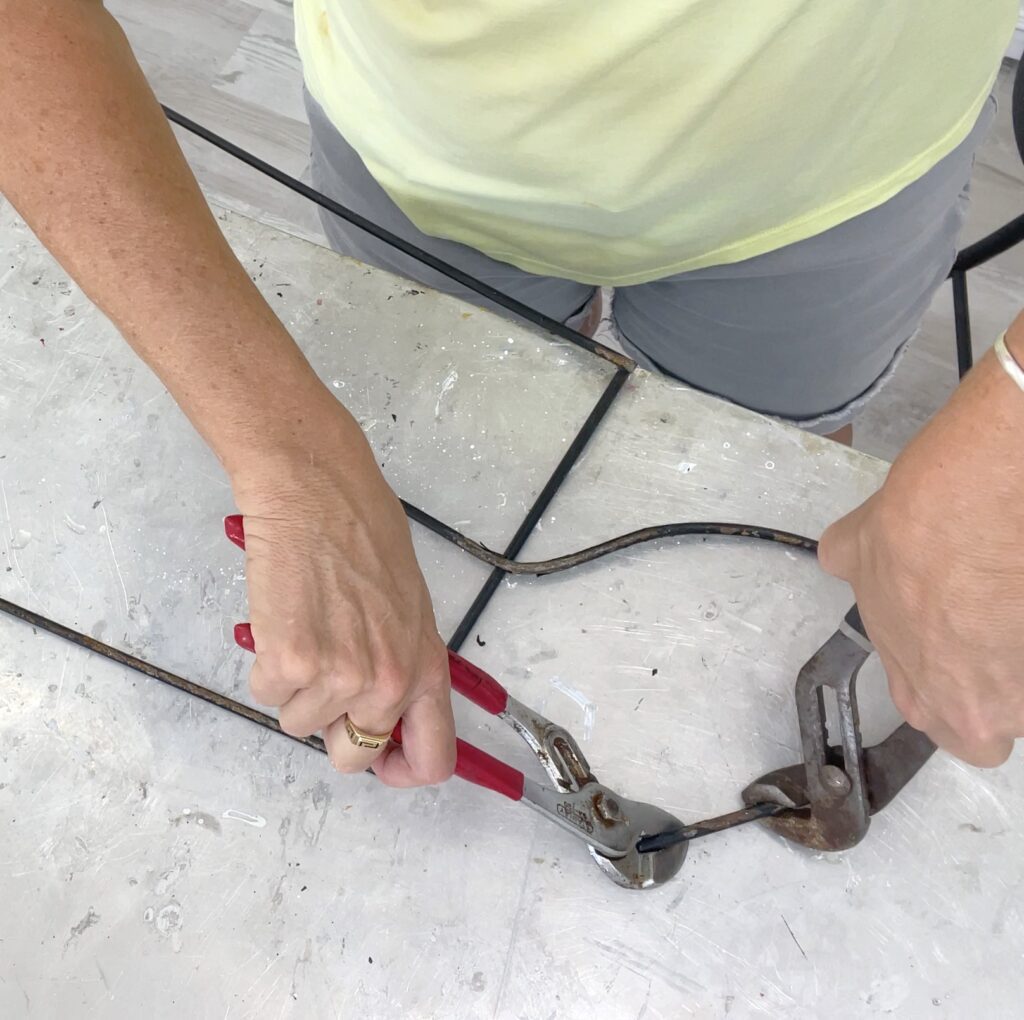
<point x="833" y="792"/>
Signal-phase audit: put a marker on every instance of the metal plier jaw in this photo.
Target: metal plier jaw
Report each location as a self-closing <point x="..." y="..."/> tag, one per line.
<point x="610" y="824"/>
<point x="836" y="788"/>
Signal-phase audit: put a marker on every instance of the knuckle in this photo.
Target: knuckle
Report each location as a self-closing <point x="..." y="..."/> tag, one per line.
<point x="391" y="689"/>
<point x="983" y="755"/>
<point x="907" y="705"/>
<point x="260" y="689"/>
<point x="439" y="768"/>
<point x="980" y="734"/>
<point x="294" y="727"/>
<point x="297" y="664"/>
<point x="438" y="772"/>
<point x="340" y="683"/>
<point x="263" y="689"/>
<point x="828" y="552"/>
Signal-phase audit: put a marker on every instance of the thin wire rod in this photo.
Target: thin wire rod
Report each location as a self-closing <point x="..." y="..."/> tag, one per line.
<point x="711" y="826"/>
<point x="91" y="644"/>
<point x="653" y="533"/>
<point x="545" y="322"/>
<point x="1000" y="240"/>
<point x="624" y="365"/>
<point x="565" y="465"/>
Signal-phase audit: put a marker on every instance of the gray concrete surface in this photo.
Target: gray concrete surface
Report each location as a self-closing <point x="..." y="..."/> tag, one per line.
<point x="163" y="859"/>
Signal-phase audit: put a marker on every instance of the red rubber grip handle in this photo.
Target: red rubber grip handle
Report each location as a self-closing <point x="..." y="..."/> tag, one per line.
<point x="243" y="637"/>
<point x="235" y="529"/>
<point x="472" y="764"/>
<point x="481" y="769"/>
<point x="473" y="683"/>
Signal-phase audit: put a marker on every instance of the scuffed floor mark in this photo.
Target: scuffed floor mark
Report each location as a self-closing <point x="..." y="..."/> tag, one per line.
<point x="887" y="994"/>
<point x="117" y="567"/>
<point x="301" y="962"/>
<point x="257" y="821"/>
<point x="589" y="708"/>
<point x="91" y="917"/>
<point x="320" y="797"/>
<point x="447" y="385"/>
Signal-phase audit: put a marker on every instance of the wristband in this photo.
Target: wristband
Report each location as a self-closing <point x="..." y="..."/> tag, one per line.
<point x="1010" y="364"/>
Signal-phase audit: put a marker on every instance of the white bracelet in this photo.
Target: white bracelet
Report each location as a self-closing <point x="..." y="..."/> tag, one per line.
<point x="1009" y="362"/>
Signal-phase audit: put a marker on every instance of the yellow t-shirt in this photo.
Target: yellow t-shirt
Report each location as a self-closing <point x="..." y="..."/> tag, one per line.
<point x="621" y="141"/>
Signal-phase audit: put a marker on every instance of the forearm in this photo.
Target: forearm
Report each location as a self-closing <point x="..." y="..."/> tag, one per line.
<point x="983" y="421"/>
<point x="89" y="160"/>
<point x="936" y="560"/>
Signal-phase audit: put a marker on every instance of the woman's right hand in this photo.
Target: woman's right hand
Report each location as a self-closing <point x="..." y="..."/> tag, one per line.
<point x="340" y="614"/>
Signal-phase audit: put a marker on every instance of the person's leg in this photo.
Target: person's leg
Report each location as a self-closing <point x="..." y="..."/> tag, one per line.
<point x="339" y="173"/>
<point x="843" y="435"/>
<point x="810" y="332"/>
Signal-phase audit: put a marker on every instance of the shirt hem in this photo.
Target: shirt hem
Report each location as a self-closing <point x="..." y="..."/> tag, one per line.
<point x="800" y="229"/>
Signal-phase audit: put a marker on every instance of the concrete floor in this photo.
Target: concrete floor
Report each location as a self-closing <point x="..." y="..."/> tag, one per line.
<point x="164" y="859"/>
<point x="232" y="65"/>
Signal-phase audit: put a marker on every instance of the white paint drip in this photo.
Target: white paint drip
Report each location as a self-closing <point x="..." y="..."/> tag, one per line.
<point x="447" y="385"/>
<point x="21" y="539"/>
<point x="78" y="529"/>
<point x="589" y="708"/>
<point x="686" y="466"/>
<point x="257" y="821"/>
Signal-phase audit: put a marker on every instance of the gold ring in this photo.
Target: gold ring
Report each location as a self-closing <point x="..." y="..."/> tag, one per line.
<point x="371" y="741"/>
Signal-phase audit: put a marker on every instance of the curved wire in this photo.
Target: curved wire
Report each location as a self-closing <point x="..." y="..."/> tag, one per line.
<point x="654" y="533"/>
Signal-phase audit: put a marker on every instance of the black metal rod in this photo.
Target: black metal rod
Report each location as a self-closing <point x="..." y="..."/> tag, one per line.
<point x="624" y="365"/>
<point x="711" y="826"/>
<point x="545" y="322"/>
<point x="1000" y="240"/>
<point x="565" y="465"/>
<point x="90" y="644"/>
<point x="962" y="323"/>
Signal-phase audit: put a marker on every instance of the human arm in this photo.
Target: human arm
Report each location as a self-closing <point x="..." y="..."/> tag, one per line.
<point x="936" y="560"/>
<point x="339" y="610"/>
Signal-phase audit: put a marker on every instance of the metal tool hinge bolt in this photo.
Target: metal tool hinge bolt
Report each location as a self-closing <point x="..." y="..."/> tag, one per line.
<point x="607" y="808"/>
<point x="836" y="779"/>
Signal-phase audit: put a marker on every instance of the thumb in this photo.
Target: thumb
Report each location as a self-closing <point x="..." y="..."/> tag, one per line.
<point x="839" y="547"/>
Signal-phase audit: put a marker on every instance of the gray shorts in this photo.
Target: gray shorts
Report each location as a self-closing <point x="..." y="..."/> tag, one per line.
<point x="807" y="333"/>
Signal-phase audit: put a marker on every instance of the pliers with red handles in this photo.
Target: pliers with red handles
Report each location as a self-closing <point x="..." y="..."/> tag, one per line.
<point x="610" y="825"/>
